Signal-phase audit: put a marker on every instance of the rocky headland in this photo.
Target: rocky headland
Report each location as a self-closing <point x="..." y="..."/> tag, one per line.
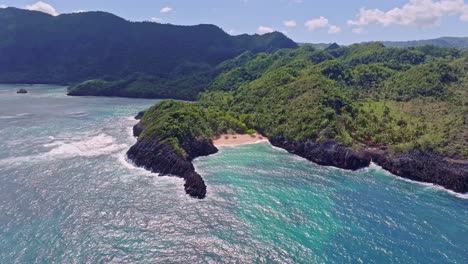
<point x="160" y="156"/>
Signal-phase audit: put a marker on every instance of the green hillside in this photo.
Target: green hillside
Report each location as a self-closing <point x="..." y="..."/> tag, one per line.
<point x="360" y="96"/>
<point x="39" y="48"/>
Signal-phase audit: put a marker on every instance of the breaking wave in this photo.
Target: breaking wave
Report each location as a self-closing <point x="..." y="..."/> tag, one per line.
<point x="92" y="146"/>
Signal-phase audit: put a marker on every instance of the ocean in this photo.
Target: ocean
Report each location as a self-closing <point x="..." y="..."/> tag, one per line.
<point x="68" y="195"/>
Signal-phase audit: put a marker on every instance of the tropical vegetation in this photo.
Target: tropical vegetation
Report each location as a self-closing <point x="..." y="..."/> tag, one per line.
<point x="361" y="96"/>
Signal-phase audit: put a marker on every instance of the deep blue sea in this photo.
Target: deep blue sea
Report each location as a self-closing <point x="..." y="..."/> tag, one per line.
<point x="68" y="195"/>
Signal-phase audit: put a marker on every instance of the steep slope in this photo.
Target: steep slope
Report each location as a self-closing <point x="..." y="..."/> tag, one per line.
<point x="40" y="48"/>
<point x="405" y="109"/>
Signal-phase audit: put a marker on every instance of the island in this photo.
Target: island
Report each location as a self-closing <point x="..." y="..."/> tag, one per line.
<point x="22" y="91"/>
<point x="404" y="109"/>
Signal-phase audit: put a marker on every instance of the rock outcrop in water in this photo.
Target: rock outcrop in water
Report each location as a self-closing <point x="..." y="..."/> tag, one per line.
<point x="159" y="156"/>
<point x="425" y="167"/>
<point x="140" y="115"/>
<point x="417" y="165"/>
<point x="327" y="153"/>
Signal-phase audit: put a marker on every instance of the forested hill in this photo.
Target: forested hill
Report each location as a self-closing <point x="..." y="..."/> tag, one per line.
<point x="403" y="108"/>
<point x="39" y="48"/>
<point x="446" y="42"/>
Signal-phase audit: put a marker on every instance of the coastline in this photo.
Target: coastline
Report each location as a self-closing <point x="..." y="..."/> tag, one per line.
<point x="234" y="140"/>
<point x="159" y="157"/>
<point x="424" y="167"/>
<point x="437" y="187"/>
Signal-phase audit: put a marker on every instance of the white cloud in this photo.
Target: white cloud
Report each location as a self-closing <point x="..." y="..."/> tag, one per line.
<point x="332" y="29"/>
<point x="289" y="23"/>
<point x="359" y="30"/>
<point x="166" y="9"/>
<point x="3" y="6"/>
<point x="420" y="13"/>
<point x="156" y="19"/>
<point x="263" y="29"/>
<point x="79" y="11"/>
<point x="464" y="16"/>
<point x="322" y="22"/>
<point x="42" y="7"/>
<point x="314" y="24"/>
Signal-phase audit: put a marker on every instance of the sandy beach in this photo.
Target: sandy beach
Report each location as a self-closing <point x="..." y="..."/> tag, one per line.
<point x="238" y="139"/>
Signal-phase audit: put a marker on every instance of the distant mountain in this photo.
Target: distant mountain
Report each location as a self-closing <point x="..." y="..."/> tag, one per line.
<point x="39" y="48"/>
<point x="446" y="42"/>
<point x="315" y="45"/>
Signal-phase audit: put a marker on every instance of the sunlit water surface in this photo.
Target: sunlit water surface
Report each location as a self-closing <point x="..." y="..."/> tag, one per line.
<point x="67" y="195"/>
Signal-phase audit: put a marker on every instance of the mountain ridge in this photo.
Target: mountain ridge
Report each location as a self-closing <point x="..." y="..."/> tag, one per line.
<point x="446" y="42"/>
<point x="40" y="48"/>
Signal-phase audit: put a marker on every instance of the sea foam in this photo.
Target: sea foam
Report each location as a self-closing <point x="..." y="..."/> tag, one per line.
<point x="98" y="145"/>
<point x="65" y="148"/>
<point x="376" y="167"/>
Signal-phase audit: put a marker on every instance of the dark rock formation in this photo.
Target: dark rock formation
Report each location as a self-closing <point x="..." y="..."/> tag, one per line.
<point x="327" y="153"/>
<point x="416" y="165"/>
<point x="140" y="115"/>
<point x="160" y="157"/>
<point x="22" y="91"/>
<point x="138" y="129"/>
<point x="425" y="167"/>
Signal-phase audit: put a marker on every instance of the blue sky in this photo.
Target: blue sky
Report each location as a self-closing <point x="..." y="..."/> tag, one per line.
<point x="342" y="21"/>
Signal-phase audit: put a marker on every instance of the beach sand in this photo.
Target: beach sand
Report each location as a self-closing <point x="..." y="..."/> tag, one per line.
<point x="238" y="139"/>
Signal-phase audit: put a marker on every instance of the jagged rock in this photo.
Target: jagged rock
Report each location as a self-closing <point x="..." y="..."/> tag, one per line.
<point x="22" y="91"/>
<point x="327" y="153"/>
<point x="425" y="167"/>
<point x="419" y="166"/>
<point x="138" y="129"/>
<point x="416" y="165"/>
<point x="140" y="115"/>
<point x="159" y="157"/>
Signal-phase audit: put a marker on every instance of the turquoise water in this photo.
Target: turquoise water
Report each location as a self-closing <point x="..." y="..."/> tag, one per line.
<point x="67" y="195"/>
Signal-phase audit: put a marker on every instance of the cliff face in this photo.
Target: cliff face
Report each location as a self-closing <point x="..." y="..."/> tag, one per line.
<point x="425" y="167"/>
<point x="327" y="154"/>
<point x="159" y="157"/>
<point x="416" y="165"/>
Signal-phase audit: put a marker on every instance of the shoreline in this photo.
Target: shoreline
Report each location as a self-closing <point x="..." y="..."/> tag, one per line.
<point x="421" y="167"/>
<point x="433" y="186"/>
<point x="234" y="140"/>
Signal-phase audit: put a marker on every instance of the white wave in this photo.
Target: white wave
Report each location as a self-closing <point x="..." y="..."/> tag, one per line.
<point x="279" y="149"/>
<point x="15" y="116"/>
<point x="99" y="145"/>
<point x="76" y="114"/>
<point x="375" y="167"/>
<point x="156" y="179"/>
<point x="122" y="158"/>
<point x="91" y="146"/>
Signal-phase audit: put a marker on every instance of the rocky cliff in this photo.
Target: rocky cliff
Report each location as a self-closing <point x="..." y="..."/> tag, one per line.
<point x="327" y="153"/>
<point x="425" y="167"/>
<point x="160" y="157"/>
<point x="416" y="165"/>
